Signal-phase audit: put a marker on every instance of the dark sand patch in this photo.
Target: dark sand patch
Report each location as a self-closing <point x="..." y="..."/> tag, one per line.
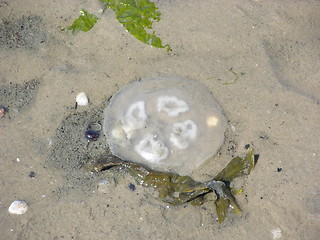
<point x="18" y="97"/>
<point x="70" y="149"/>
<point x="25" y="32"/>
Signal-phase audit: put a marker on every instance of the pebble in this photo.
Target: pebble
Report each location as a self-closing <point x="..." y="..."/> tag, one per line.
<point x="32" y="175"/>
<point x="91" y="135"/>
<point x="132" y="187"/>
<point x="18" y="207"/>
<point x="82" y="99"/>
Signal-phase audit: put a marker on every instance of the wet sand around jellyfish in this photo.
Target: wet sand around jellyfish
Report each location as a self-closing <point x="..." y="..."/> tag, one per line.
<point x="167" y="123"/>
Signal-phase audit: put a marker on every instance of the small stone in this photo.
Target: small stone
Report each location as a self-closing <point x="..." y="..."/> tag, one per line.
<point x="264" y="136"/>
<point x="132" y="187"/>
<point x="32" y="175"/>
<point x="18" y="207"/>
<point x="91" y="135"/>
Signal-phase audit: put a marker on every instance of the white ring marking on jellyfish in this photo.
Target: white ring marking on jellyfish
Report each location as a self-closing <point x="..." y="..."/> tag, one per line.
<point x="172" y="105"/>
<point x="135" y="118"/>
<point x="151" y="149"/>
<point x="182" y="134"/>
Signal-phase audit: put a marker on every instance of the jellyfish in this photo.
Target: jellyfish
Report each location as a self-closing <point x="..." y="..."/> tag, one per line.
<point x="166" y="123"/>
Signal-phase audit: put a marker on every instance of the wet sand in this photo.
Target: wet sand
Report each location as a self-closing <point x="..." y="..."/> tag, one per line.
<point x="273" y="47"/>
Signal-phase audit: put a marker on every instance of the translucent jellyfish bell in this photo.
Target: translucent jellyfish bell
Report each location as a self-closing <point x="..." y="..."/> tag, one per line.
<point x="166" y="123"/>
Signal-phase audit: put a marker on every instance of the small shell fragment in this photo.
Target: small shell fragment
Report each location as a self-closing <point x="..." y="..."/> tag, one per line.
<point x="18" y="207"/>
<point x="276" y="233"/>
<point x="82" y="99"/>
<point x="3" y="111"/>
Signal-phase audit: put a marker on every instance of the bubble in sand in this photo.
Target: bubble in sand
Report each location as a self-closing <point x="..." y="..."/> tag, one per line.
<point x="166" y="123"/>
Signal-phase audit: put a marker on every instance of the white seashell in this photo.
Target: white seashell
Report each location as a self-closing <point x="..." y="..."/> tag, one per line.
<point x="18" y="207"/>
<point x="276" y="233"/>
<point x="82" y="99"/>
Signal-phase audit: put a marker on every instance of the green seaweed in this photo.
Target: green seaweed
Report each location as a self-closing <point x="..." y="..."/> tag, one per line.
<point x="83" y="23"/>
<point x="176" y="189"/>
<point x="238" y="167"/>
<point x="235" y="80"/>
<point x="137" y="16"/>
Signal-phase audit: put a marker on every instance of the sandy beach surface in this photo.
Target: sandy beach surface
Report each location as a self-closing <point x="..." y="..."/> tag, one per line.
<point x="268" y="50"/>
